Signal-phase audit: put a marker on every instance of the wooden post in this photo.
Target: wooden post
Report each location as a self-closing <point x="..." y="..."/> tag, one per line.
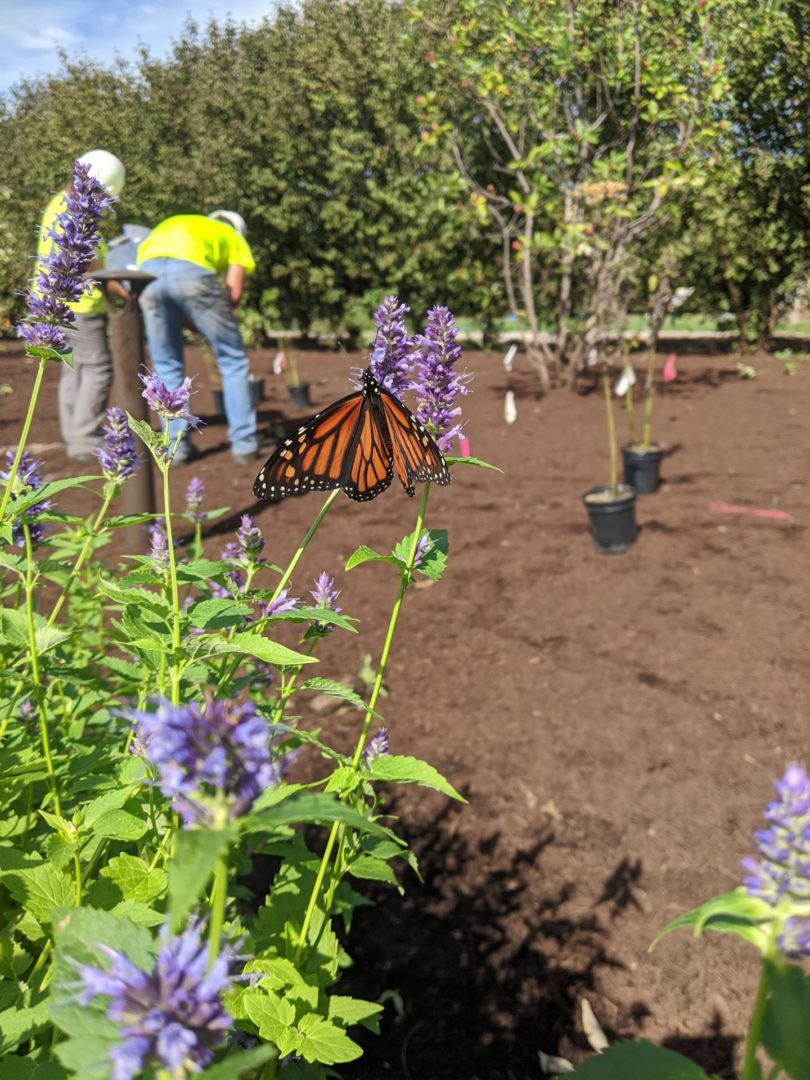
<point x="126" y="340"/>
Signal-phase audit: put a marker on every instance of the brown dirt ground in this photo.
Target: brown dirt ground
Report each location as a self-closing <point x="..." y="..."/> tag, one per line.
<point x="615" y="722"/>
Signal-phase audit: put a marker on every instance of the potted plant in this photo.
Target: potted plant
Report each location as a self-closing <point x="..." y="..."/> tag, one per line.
<point x="612" y="507"/>
<point x="299" y="391"/>
<point x="642" y="459"/>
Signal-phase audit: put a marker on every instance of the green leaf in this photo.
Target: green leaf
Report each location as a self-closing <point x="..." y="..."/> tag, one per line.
<point x="121" y="825"/>
<point x="134" y="878"/>
<point x="474" y="461"/>
<point x="19" y="1025"/>
<point x="367" y="868"/>
<point x="365" y="554"/>
<point x="347" y="1011"/>
<point x="150" y="438"/>
<point x="434" y="561"/>
<point x="336" y="689"/>
<point x="400" y="769"/>
<point x="235" y="1065"/>
<point x="215" y="613"/>
<point x="272" y="1014"/>
<point x="39" y="887"/>
<point x="314" y="808"/>
<point x="271" y="652"/>
<point x="196" y="851"/>
<point x="785" y="1029"/>
<point x="325" y="1042"/>
<point x="47" y="491"/>
<point x="19" y="1068"/>
<point x="638" y="1061"/>
<point x="736" y="912"/>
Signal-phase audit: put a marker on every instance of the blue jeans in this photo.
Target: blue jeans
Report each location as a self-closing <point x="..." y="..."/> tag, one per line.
<point x="183" y="289"/>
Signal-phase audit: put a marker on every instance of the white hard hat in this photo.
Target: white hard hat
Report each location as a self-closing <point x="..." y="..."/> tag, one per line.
<point x="107" y="169"/>
<point x="232" y="218"/>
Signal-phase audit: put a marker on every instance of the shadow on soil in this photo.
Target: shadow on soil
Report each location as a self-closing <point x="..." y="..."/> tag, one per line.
<point x="479" y="997"/>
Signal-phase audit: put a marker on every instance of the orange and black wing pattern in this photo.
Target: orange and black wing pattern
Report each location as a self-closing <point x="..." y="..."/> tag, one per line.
<point x="354" y="444"/>
<point x="415" y="453"/>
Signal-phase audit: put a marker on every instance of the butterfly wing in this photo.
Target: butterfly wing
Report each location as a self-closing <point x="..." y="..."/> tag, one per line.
<point x="415" y="453"/>
<point x="339" y="447"/>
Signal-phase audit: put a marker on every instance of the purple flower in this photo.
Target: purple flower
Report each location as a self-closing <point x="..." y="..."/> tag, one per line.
<point x="249" y="539"/>
<point x="169" y="404"/>
<point x="423" y="549"/>
<point x="378" y="746"/>
<point x="283" y="602"/>
<point x="783" y="870"/>
<point x="437" y="383"/>
<point x="59" y="278"/>
<point x="390" y="359"/>
<point x="172" y="1016"/>
<point x="208" y="754"/>
<point x="117" y="457"/>
<point x="325" y="594"/>
<point x="794" y="941"/>
<point x="159" y="547"/>
<point x="29" y="477"/>
<point x="195" y="494"/>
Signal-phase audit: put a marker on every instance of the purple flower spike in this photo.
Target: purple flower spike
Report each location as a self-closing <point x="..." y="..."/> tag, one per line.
<point x="325" y="594"/>
<point x="208" y="754"/>
<point x="390" y="359"/>
<point x="159" y="547"/>
<point x="169" y="404"/>
<point x="117" y="457"/>
<point x="195" y="495"/>
<point x="378" y="746"/>
<point x="283" y="602"/>
<point x="59" y="278"/>
<point x="782" y="872"/>
<point x="437" y="383"/>
<point x="172" y="1016"/>
<point x="29" y="476"/>
<point x="250" y="540"/>
<point x="423" y="549"/>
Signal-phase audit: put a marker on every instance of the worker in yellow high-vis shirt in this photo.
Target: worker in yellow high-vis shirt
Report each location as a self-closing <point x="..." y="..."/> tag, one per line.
<point x="84" y="389"/>
<point x="187" y="254"/>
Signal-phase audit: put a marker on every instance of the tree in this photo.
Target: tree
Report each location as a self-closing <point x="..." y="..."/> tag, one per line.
<point x="579" y="127"/>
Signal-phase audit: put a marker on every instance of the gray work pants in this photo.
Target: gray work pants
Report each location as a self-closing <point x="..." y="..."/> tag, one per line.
<point x="85" y="389"/>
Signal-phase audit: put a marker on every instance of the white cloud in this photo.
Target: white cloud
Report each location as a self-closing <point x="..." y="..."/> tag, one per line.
<point x="34" y="30"/>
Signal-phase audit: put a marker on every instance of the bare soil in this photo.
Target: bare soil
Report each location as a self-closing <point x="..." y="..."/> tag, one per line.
<point x="614" y="721"/>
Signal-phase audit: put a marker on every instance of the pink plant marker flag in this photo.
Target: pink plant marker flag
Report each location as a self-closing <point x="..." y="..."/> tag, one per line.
<point x="731" y="508"/>
<point x="463" y="446"/>
<point x="671" y="368"/>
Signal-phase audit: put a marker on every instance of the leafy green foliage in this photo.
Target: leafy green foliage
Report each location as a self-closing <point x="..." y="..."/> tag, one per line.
<point x="101" y="857"/>
<point x="638" y="1061"/>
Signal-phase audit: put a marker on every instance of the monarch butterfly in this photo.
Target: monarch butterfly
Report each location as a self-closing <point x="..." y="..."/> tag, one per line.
<point x="355" y="444"/>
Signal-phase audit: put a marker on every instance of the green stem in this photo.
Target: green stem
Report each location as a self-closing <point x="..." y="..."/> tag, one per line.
<point x="32" y="404"/>
<point x="94" y="528"/>
<point x="227" y="673"/>
<point x="648" y="403"/>
<point x="285" y="577"/>
<point x="175" y="594"/>
<point x="405" y="578"/>
<point x="219" y="896"/>
<point x="611" y="424"/>
<point x="36" y="674"/>
<point x="750" y="1069"/>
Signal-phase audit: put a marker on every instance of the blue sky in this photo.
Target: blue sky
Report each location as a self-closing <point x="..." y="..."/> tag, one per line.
<point x="33" y="30"/>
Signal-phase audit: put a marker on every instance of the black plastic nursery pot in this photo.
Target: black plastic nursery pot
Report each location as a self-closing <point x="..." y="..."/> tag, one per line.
<point x="612" y="518"/>
<point x="300" y="395"/>
<point x="641" y="468"/>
